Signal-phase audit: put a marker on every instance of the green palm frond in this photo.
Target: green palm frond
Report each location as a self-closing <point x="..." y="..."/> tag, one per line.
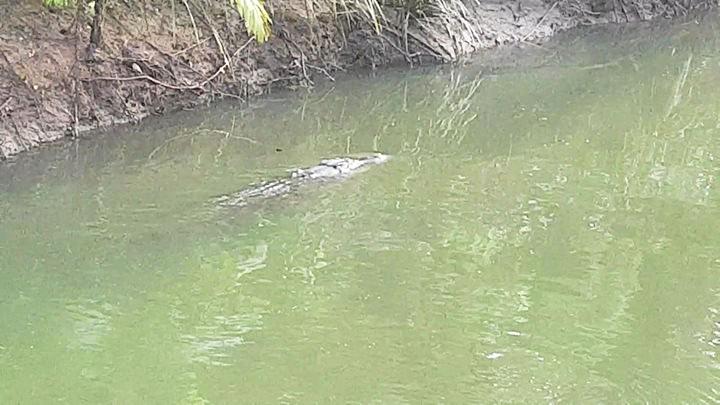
<point x="257" y="20"/>
<point x="56" y="3"/>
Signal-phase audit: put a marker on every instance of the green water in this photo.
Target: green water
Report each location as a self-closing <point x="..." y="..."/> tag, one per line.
<point x="547" y="232"/>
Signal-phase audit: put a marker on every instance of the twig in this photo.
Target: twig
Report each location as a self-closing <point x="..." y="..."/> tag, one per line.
<point x="76" y="125"/>
<point x="174" y="21"/>
<point x="3" y="105"/>
<point x="156" y="48"/>
<point x="220" y="44"/>
<point x="226" y="18"/>
<point x="227" y="63"/>
<point x="20" y="139"/>
<point x="288" y="40"/>
<point x="216" y="36"/>
<point x="532" y="31"/>
<point x="323" y="71"/>
<point x="144" y="13"/>
<point x="417" y="38"/>
<point x="335" y="65"/>
<point x="192" y="21"/>
<point x="142" y="77"/>
<point x="197" y="86"/>
<point x="278" y="79"/>
<point x="79" y="20"/>
<point x="622" y="7"/>
<point x="180" y="52"/>
<point x="302" y="65"/>
<point x="405" y="37"/>
<point x="617" y="20"/>
<point x="408" y="57"/>
<point x="235" y="96"/>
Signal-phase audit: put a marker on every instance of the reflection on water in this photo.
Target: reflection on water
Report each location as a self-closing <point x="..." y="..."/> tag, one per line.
<point x="211" y="342"/>
<point x="90" y="322"/>
<point x="545" y="233"/>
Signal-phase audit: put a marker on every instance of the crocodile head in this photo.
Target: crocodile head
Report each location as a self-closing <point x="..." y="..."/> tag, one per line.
<point x="345" y="166"/>
<point x="342" y="167"/>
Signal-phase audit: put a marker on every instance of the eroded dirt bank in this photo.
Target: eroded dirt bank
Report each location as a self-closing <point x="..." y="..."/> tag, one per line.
<point x="155" y="58"/>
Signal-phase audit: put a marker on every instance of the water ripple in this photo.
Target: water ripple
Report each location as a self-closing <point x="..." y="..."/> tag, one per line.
<point x="91" y="321"/>
<point x="210" y="344"/>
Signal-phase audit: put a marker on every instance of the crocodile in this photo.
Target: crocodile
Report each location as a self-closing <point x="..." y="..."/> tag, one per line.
<point x="335" y="169"/>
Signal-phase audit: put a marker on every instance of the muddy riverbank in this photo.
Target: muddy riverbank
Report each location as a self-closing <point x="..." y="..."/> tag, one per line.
<point x="154" y="58"/>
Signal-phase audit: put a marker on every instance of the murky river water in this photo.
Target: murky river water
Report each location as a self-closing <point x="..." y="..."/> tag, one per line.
<point x="547" y="232"/>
